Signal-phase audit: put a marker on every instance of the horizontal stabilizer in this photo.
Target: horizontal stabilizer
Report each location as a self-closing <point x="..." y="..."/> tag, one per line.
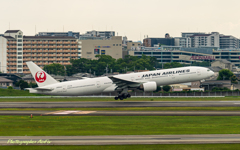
<point x="38" y="88"/>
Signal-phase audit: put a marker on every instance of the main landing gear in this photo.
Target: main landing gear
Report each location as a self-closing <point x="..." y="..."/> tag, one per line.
<point x="122" y="96"/>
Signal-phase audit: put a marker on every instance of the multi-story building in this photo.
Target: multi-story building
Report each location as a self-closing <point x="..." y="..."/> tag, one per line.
<point x="69" y="33"/>
<point x="166" y="54"/>
<point x="133" y="45"/>
<point x="103" y="34"/>
<point x="182" y="41"/>
<point x="150" y="42"/>
<point x="205" y="40"/>
<point x="90" y="48"/>
<point x="195" y="39"/>
<point x="228" y="42"/>
<point x="16" y="50"/>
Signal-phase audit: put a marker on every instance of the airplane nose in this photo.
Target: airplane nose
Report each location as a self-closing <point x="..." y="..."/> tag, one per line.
<point x="210" y="73"/>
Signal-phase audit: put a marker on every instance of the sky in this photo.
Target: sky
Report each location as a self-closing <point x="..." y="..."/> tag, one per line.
<point x="132" y="18"/>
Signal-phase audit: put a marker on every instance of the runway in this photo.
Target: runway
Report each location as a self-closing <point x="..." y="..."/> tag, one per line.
<point x="121" y="113"/>
<point x="112" y="104"/>
<point x="120" y="139"/>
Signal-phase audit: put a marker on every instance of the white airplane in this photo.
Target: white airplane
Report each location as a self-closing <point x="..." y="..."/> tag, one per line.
<point x="146" y="81"/>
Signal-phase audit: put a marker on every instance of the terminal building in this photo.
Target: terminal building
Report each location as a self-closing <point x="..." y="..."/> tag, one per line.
<point x="16" y="50"/>
<point x="167" y="54"/>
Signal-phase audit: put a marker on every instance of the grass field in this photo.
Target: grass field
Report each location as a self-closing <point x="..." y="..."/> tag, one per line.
<point x="12" y="92"/>
<point x="117" y="125"/>
<point x="136" y="109"/>
<point x="232" y="98"/>
<point x="131" y="147"/>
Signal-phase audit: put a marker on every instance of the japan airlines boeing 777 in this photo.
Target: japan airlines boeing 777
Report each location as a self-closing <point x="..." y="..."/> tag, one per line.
<point x="146" y="81"/>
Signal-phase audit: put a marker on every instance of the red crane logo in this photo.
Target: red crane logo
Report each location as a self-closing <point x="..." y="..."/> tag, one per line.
<point x="40" y="76"/>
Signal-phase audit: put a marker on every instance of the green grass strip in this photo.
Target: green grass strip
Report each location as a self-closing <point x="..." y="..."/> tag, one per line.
<point x="117" y="125"/>
<point x="135" y="109"/>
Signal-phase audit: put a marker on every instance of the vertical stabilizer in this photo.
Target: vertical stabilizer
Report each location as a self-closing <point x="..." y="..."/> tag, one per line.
<point x="40" y="76"/>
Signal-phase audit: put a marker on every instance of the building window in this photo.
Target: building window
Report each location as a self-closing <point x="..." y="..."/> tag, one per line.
<point x="19" y="36"/>
<point x="19" y="40"/>
<point x="19" y="53"/>
<point x="19" y="44"/>
<point x="19" y="49"/>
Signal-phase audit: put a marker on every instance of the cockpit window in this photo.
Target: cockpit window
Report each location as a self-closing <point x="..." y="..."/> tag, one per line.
<point x="208" y="70"/>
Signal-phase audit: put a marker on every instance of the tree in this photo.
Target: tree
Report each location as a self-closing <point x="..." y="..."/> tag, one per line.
<point x="56" y="69"/>
<point x="226" y="74"/>
<point x="10" y="88"/>
<point x="99" y="65"/>
<point x="158" y="88"/>
<point x="32" y="85"/>
<point x="166" y="88"/>
<point x="22" y="84"/>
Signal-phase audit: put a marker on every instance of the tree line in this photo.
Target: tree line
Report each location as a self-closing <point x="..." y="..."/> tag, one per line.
<point x="103" y="64"/>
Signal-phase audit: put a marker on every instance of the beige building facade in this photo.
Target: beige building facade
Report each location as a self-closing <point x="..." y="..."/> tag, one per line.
<point x="90" y="48"/>
<point x="133" y="45"/>
<point x="17" y="49"/>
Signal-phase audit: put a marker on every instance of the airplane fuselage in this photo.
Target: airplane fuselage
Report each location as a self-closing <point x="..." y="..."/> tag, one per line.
<point x="105" y="84"/>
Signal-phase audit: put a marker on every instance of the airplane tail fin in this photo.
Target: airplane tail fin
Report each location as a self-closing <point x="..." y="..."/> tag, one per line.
<point x="40" y="76"/>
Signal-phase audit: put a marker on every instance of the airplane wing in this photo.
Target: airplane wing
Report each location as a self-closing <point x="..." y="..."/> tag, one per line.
<point x="120" y="83"/>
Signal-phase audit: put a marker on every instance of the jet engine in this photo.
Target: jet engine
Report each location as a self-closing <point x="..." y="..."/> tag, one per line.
<point x="149" y="86"/>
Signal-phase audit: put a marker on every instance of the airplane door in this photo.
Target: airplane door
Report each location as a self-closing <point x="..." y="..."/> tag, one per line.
<point x="98" y="84"/>
<point x="198" y="72"/>
<point x="64" y="89"/>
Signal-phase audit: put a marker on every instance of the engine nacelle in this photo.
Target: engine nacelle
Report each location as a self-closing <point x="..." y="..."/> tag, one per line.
<point x="149" y="86"/>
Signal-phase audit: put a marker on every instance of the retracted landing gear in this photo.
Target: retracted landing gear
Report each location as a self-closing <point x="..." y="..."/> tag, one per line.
<point x="122" y="96"/>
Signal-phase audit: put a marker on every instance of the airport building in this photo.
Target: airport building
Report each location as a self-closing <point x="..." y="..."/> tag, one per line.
<point x="167" y="54"/>
<point x="16" y="50"/>
<point x="89" y="48"/>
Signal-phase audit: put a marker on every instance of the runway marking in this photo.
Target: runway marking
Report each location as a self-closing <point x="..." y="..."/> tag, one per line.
<point x="65" y="112"/>
<point x="54" y="112"/>
<point x="84" y="112"/>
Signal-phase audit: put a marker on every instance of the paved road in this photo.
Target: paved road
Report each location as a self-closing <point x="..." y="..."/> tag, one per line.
<point x="120" y="104"/>
<point x="122" y="113"/>
<point x="120" y="139"/>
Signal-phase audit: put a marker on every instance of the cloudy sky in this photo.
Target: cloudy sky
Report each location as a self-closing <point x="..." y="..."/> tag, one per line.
<point x="131" y="18"/>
